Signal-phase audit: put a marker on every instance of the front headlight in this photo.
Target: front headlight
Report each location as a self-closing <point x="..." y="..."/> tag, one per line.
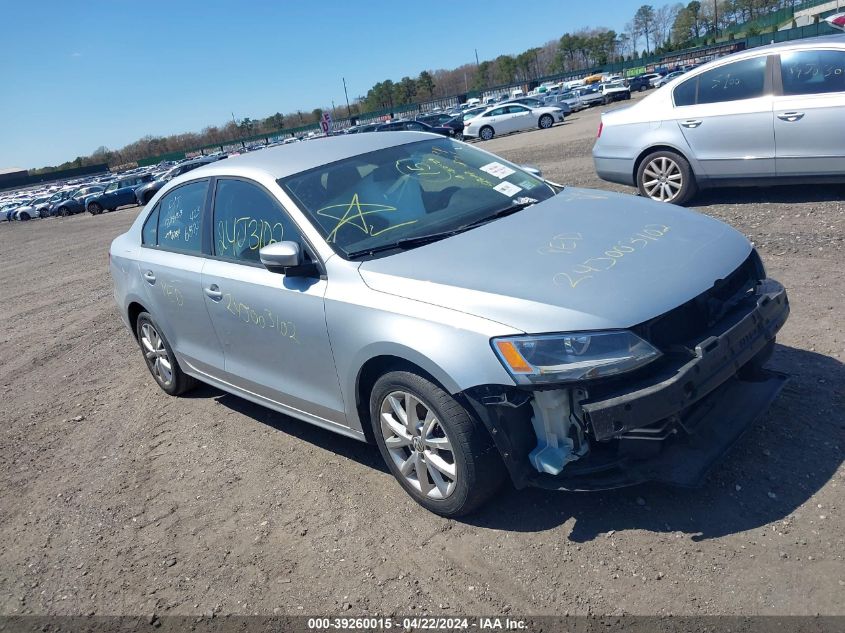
<point x="551" y="358"/>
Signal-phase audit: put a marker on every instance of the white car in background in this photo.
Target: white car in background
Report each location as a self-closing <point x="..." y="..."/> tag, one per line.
<point x="512" y="117"/>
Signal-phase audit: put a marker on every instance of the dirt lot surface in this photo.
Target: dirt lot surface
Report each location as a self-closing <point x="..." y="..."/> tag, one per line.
<point x="117" y="499"/>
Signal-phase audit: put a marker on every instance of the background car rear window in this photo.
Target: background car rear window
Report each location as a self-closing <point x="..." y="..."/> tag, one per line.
<point x="812" y="72"/>
<point x="744" y="79"/>
<point x="180" y="218"/>
<point x="247" y="218"/>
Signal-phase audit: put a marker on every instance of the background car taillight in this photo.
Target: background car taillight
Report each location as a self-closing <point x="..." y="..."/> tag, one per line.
<point x="601" y="125"/>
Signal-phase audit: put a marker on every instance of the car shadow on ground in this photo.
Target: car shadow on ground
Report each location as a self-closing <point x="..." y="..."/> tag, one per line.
<point x="787" y="456"/>
<point x="364" y="454"/>
<point x="776" y="194"/>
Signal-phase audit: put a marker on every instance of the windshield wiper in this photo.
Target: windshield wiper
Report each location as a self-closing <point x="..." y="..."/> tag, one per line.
<point x="517" y="205"/>
<point x="410" y="242"/>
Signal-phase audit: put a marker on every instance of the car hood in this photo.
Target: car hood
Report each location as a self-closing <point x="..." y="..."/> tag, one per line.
<point x="582" y="260"/>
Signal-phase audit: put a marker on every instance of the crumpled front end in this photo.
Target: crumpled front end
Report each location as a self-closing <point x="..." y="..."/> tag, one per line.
<point x="669" y="421"/>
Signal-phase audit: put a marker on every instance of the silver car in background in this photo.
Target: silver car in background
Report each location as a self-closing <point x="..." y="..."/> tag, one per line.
<point x="769" y="115"/>
<point x="471" y="319"/>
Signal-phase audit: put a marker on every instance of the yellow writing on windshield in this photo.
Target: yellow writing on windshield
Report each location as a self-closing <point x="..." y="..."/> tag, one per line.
<point x="354" y="214"/>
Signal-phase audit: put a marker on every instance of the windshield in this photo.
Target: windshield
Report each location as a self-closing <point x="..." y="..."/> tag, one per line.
<point x="408" y="191"/>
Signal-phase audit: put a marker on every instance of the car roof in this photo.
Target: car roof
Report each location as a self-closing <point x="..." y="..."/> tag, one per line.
<point x="285" y="160"/>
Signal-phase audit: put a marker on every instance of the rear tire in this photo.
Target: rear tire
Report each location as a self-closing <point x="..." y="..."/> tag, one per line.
<point x="486" y="133"/>
<point x="160" y="359"/>
<point x="442" y="457"/>
<point x="666" y="176"/>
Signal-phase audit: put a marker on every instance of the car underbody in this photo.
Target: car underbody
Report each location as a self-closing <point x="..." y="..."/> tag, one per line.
<point x="669" y="421"/>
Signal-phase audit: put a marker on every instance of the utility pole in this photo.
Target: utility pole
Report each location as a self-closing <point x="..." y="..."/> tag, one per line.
<point x="348" y="110"/>
<point x="716" y="18"/>
<point x="476" y="58"/>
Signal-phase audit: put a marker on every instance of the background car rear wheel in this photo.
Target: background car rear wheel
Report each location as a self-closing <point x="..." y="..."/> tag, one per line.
<point x="666" y="177"/>
<point x="439" y="453"/>
<point x="546" y="121"/>
<point x="94" y="208"/>
<point x="44" y="214"/>
<point x="486" y="133"/>
<point x="160" y="359"/>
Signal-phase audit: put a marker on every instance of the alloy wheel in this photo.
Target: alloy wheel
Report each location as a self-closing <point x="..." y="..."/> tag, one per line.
<point x="156" y="354"/>
<point x="418" y="445"/>
<point x="663" y="179"/>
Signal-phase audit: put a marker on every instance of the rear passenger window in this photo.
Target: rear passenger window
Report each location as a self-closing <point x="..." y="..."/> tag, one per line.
<point x="149" y="235"/>
<point x="180" y="218"/>
<point x="740" y="80"/>
<point x="247" y="218"/>
<point x="812" y="72"/>
<point x="745" y="79"/>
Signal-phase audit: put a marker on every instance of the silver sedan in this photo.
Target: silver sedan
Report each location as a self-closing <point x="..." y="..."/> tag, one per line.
<point x="471" y="319"/>
<point x="769" y="115"/>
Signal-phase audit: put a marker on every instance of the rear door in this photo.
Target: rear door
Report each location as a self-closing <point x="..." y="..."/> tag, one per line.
<point x="810" y="113"/>
<point x="520" y="118"/>
<point x="171" y="271"/>
<point x="725" y="116"/>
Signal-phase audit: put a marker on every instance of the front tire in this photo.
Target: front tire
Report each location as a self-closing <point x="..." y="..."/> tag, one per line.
<point x="546" y="121"/>
<point x="486" y="133"/>
<point x="666" y="177"/>
<point x="95" y="208"/>
<point x="438" y="452"/>
<point x="63" y="212"/>
<point x="160" y="359"/>
<point x="24" y="216"/>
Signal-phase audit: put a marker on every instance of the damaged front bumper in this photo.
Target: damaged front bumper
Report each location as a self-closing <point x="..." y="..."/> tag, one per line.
<point x="668" y="424"/>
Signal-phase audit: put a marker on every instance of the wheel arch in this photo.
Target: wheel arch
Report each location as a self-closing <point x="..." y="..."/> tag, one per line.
<point x="373" y="369"/>
<point x="133" y="310"/>
<point x="661" y="147"/>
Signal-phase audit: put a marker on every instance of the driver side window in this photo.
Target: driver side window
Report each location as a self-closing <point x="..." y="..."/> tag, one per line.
<point x="247" y="218"/>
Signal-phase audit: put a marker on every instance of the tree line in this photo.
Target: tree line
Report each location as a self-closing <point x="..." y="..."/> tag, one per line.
<point x="651" y="30"/>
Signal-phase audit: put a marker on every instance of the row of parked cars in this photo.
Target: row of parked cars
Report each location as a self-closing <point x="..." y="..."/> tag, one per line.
<point x="134" y="187"/>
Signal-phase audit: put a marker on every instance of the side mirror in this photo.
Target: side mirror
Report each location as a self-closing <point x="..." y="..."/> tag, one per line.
<point x="534" y="171"/>
<point x="287" y="258"/>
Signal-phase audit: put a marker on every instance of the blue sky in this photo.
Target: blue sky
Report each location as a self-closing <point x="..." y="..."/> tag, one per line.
<point x="77" y="74"/>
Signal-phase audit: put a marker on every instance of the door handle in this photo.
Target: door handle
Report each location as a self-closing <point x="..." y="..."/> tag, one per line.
<point x="213" y="292"/>
<point x="150" y="277"/>
<point x="691" y="123"/>
<point x="790" y="116"/>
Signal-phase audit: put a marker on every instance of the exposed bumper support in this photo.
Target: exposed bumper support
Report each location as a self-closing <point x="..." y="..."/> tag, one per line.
<point x="697" y="412"/>
<point x="717" y="358"/>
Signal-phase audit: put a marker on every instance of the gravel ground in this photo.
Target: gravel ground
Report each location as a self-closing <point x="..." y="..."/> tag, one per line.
<point x="117" y="499"/>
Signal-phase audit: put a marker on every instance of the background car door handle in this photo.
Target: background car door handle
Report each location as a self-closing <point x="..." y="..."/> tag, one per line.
<point x="691" y="123"/>
<point x="790" y="116"/>
<point x="150" y="277"/>
<point x="213" y="292"/>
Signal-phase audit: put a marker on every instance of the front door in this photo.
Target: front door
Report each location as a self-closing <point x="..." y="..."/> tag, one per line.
<point x="809" y="115"/>
<point x="725" y="116"/>
<point x="272" y="327"/>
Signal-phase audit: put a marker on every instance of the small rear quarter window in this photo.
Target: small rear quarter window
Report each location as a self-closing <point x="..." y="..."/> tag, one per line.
<point x="149" y="235"/>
